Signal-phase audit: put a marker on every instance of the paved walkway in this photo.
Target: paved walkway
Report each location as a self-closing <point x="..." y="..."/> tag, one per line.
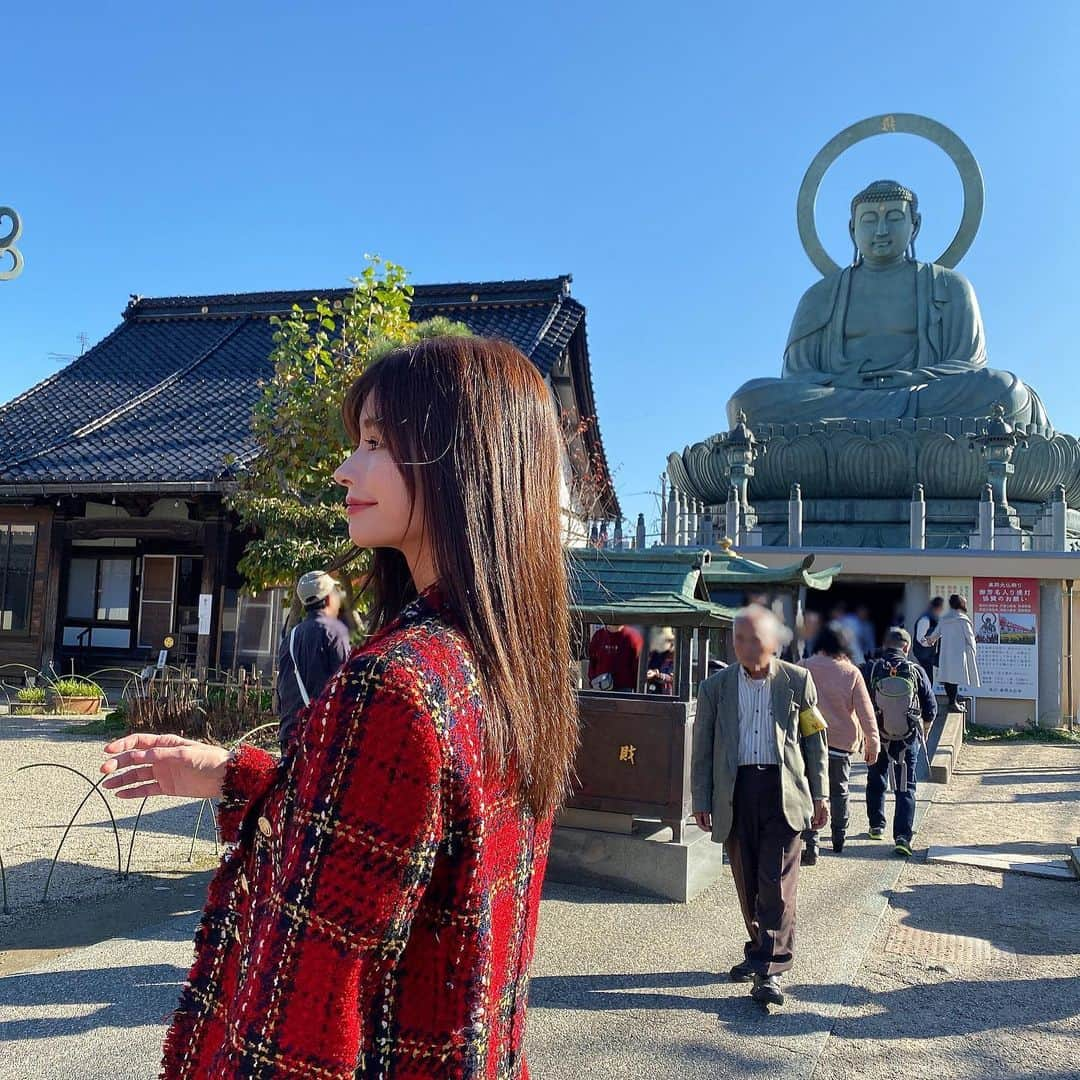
<point x="630" y="989"/>
<point x="975" y="973"/>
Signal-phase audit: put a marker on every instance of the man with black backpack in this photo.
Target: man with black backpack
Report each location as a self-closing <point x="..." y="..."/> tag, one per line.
<point x="906" y="708"/>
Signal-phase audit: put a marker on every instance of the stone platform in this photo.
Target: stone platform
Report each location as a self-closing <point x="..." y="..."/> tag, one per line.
<point x="645" y="862"/>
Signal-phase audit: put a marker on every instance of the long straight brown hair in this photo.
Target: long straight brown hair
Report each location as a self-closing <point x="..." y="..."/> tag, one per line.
<point x="472" y="426"/>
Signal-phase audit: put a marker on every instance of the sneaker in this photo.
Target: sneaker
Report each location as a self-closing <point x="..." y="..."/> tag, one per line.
<point x="877" y="834"/>
<point x="903" y="847"/>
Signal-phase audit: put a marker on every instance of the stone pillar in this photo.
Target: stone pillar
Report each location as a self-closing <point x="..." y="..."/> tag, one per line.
<point x="639" y="534"/>
<point x="733" y="513"/>
<point x="916" y="601"/>
<point x="663" y="508"/>
<point x="618" y="534"/>
<point x="794" y="517"/>
<point x="672" y="518"/>
<point x="708" y="537"/>
<point x="1058" y="517"/>
<point x="918" y="518"/>
<point x="1040" y="533"/>
<point x="986" y="519"/>
<point x="684" y="511"/>
<point x="1051" y="653"/>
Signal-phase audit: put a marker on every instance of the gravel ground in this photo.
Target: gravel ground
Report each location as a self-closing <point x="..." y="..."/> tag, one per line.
<point x="974" y="973"/>
<point x="36" y="806"/>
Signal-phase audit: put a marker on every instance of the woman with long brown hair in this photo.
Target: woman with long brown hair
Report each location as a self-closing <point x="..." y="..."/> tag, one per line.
<point x="376" y="915"/>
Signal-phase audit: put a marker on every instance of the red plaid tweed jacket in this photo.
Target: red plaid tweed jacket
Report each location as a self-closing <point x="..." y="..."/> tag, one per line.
<point x="376" y="916"/>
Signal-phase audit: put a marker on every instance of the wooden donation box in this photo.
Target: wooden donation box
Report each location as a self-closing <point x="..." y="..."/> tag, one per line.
<point x="634" y="756"/>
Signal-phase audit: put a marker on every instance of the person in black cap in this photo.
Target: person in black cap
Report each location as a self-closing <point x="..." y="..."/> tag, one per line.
<point x="312" y="651"/>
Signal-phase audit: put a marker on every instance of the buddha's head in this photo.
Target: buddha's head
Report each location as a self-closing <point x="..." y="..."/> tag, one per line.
<point x="885" y="220"/>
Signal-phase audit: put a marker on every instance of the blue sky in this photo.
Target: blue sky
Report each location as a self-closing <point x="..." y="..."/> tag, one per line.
<point x="653" y="151"/>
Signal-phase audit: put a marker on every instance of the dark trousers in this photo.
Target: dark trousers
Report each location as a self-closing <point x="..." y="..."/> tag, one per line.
<point x="763" y="850"/>
<point x="902" y="761"/>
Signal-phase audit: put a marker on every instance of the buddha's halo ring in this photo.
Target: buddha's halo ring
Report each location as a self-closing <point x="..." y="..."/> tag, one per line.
<point x="14" y="229"/>
<point x="7" y="245"/>
<point x="889" y="124"/>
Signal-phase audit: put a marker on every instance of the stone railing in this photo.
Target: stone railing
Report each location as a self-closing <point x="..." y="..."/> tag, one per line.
<point x="880" y="459"/>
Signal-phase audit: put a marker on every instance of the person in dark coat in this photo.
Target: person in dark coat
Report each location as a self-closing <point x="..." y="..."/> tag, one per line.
<point x="312" y="651"/>
<point x="926" y="647"/>
<point x="900" y="756"/>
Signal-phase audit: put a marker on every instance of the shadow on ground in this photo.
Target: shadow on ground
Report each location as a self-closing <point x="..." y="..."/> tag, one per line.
<point x="957" y="1007"/>
<point x="138" y="995"/>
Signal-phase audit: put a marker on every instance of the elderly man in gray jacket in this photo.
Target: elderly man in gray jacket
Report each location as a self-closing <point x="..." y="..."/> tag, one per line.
<point x="757" y="784"/>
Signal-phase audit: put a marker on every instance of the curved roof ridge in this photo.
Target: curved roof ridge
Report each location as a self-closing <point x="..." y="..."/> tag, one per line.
<point x="544" y="290"/>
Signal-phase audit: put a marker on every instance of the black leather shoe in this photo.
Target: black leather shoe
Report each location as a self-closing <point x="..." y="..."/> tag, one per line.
<point x="809" y="855"/>
<point x="767" y="990"/>
<point x="838" y="842"/>
<point x="742" y="972"/>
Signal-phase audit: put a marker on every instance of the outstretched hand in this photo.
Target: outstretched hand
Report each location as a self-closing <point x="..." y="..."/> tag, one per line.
<point x="145" y="764"/>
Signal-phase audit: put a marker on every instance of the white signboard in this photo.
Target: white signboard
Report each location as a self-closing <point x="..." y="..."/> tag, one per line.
<point x="945" y="587"/>
<point x="206" y="607"/>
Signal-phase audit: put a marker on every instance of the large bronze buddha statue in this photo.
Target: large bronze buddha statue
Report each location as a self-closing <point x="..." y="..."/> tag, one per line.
<point x="887" y="336"/>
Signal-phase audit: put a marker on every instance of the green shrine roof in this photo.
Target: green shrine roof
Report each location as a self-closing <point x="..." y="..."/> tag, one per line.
<point x="729" y="570"/>
<point x="654" y="586"/>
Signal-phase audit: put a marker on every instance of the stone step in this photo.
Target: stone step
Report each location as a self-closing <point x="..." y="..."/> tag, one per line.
<point x="948" y="747"/>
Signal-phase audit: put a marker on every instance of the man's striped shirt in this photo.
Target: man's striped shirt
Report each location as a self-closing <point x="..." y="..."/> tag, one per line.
<point x="757" y="734"/>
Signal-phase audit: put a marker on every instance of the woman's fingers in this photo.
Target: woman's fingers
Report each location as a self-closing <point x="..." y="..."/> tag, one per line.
<point x="128" y="758"/>
<point x="140" y="791"/>
<point x="144" y="740"/>
<point x="131" y="776"/>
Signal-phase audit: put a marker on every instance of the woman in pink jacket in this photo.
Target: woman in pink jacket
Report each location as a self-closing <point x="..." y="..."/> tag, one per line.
<point x="845" y="703"/>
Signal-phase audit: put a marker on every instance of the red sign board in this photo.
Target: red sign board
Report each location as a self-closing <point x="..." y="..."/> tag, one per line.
<point x="1005" y="615"/>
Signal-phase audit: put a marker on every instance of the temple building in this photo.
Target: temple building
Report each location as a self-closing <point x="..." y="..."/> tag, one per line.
<point x="113" y="531"/>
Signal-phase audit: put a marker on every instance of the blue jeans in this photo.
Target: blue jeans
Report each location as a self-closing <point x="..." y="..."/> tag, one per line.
<point x="902" y="760"/>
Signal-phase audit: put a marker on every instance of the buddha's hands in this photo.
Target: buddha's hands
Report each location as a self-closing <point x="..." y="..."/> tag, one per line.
<point x="893" y="380"/>
<point x="889" y="380"/>
<point x="145" y="764"/>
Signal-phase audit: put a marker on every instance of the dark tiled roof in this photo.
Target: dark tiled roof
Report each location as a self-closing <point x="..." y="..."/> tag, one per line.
<point x="169" y="393"/>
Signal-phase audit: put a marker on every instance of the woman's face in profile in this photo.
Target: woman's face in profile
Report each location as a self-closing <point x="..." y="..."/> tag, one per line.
<point x="380" y="511"/>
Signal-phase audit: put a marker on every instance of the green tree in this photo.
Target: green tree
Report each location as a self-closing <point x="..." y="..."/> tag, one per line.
<point x="286" y="493"/>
